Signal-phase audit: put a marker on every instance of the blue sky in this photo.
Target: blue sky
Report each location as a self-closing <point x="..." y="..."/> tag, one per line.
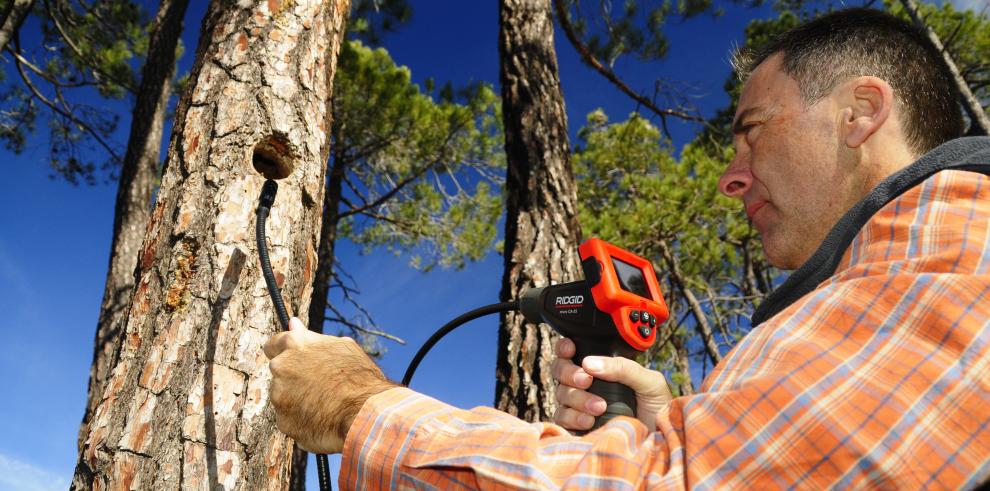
<point x="54" y="241"/>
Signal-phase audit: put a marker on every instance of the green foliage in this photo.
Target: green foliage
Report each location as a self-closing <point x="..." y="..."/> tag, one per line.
<point x="420" y="170"/>
<point x="634" y="193"/>
<point x="87" y="51"/>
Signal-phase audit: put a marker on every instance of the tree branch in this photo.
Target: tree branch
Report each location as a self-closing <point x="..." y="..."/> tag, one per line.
<point x="978" y="118"/>
<point x="677" y="277"/>
<point x="58" y="110"/>
<point x="586" y="55"/>
<point x="75" y="49"/>
<point x="17" y="12"/>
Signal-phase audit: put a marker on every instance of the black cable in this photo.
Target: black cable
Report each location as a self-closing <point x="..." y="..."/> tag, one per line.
<point x="450" y="326"/>
<point x="265" y="203"/>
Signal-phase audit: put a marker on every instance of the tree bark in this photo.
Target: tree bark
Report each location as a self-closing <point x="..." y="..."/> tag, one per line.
<point x="133" y="206"/>
<point x="187" y="403"/>
<point x="541" y="227"/>
<point x="979" y="123"/>
<point x="13" y="17"/>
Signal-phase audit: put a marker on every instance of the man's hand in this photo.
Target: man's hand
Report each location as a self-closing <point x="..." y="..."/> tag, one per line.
<point x="319" y="384"/>
<point x="577" y="408"/>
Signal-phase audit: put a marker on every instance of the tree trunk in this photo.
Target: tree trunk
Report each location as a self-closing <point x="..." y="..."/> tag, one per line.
<point x="13" y="17"/>
<point x="541" y="228"/>
<point x="133" y="207"/>
<point x="187" y="403"/>
<point x="979" y="123"/>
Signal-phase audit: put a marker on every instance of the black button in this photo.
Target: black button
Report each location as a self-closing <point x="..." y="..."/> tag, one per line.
<point x="634" y="316"/>
<point x="653" y="321"/>
<point x="645" y="316"/>
<point x="644" y="331"/>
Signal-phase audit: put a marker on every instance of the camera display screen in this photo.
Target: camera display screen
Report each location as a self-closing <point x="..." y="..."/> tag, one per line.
<point x="631" y="278"/>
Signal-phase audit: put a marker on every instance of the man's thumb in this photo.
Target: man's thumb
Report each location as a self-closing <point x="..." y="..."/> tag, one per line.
<point x="623" y="370"/>
<point x="296" y="325"/>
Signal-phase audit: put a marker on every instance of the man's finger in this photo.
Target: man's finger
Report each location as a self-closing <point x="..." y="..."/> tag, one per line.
<point x="567" y="373"/>
<point x="573" y="420"/>
<point x="623" y="370"/>
<point x="565" y="348"/>
<point x="580" y="400"/>
<point x="296" y="325"/>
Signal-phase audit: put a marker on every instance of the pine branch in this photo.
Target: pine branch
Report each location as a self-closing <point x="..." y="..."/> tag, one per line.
<point x="589" y="58"/>
<point x="65" y="113"/>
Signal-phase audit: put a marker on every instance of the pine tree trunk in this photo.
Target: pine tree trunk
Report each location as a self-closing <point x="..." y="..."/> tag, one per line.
<point x="541" y="228"/>
<point x="133" y="207"/>
<point x="187" y="403"/>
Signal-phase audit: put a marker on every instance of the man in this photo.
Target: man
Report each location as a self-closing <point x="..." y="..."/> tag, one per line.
<point x="869" y="368"/>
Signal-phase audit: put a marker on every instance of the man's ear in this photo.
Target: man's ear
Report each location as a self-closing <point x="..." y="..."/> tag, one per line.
<point x="870" y="101"/>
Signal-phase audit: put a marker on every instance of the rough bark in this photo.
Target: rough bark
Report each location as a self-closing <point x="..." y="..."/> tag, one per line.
<point x="13" y="17"/>
<point x="541" y="228"/>
<point x="133" y="206"/>
<point x="187" y="403"/>
<point x="979" y="123"/>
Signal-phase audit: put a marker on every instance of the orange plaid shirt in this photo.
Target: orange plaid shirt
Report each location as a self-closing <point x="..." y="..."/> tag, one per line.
<point x="879" y="378"/>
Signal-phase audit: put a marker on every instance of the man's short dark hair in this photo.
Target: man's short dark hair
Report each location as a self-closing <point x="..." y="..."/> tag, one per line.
<point x="850" y="43"/>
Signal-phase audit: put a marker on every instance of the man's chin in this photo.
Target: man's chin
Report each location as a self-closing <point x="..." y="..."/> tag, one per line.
<point x="779" y="259"/>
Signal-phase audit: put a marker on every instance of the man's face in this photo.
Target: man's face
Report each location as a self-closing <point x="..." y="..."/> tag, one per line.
<point x="791" y="170"/>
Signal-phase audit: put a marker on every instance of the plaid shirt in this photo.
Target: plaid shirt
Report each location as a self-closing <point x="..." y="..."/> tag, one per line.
<point x="879" y="378"/>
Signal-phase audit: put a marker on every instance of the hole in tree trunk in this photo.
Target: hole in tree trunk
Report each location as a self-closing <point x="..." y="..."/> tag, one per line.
<point x="273" y="157"/>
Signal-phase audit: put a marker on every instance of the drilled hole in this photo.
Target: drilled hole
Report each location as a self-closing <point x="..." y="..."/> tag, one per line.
<point x="273" y="157"/>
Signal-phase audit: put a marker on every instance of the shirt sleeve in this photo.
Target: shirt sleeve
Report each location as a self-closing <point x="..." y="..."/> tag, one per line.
<point x="402" y="439"/>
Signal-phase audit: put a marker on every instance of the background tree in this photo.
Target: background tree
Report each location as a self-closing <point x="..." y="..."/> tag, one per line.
<point x="970" y="35"/>
<point x="132" y="208"/>
<point x="541" y="228"/>
<point x="186" y="405"/>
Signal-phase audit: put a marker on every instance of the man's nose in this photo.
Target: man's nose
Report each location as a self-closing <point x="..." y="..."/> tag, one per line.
<point x="736" y="179"/>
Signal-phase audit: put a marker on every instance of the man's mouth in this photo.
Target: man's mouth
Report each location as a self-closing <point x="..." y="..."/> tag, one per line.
<point x="752" y="208"/>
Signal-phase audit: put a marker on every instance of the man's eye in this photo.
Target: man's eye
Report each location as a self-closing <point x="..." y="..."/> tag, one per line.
<point x="747" y="129"/>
